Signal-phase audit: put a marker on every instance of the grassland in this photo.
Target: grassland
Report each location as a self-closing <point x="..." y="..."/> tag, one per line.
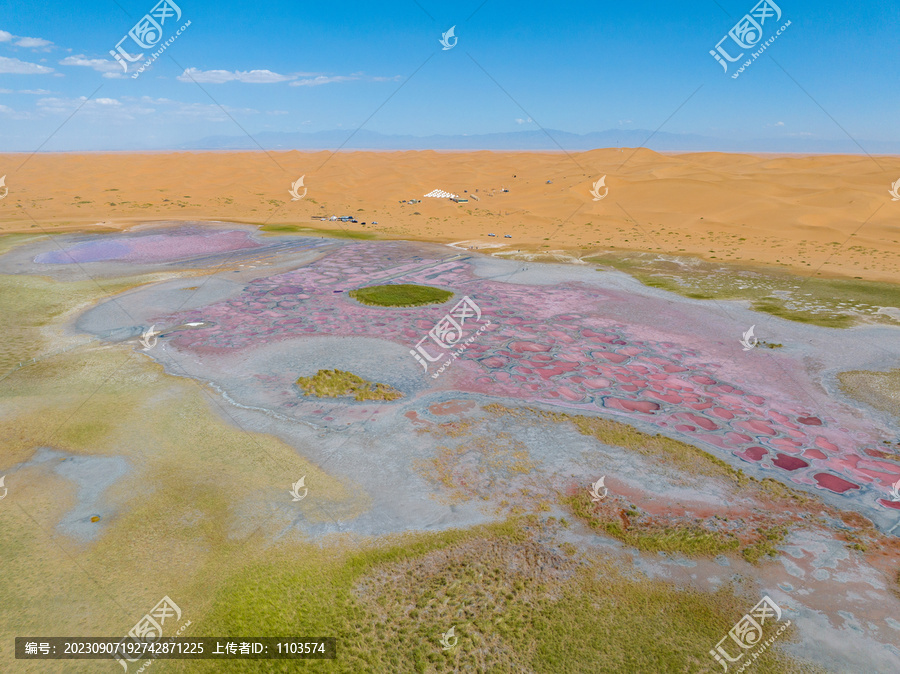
<point x="29" y="304"/>
<point x="674" y="536"/>
<point x="192" y="499"/>
<point x="515" y="605"/>
<point x="10" y="241"/>
<point x="315" y="231"/>
<point x="686" y="539"/>
<point x="400" y="295"/>
<point x="336" y="383"/>
<point x="881" y="390"/>
<point x="827" y="302"/>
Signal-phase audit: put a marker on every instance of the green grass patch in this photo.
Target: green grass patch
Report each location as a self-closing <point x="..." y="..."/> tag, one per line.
<point x="765" y="546"/>
<point x="776" y="307"/>
<point x="688" y="539"/>
<point x="29" y="303"/>
<point x="312" y="231"/>
<point x="10" y="241"/>
<point x="186" y="532"/>
<point x="400" y="295"/>
<point x="685" y="539"/>
<point x="285" y="229"/>
<point x="881" y="390"/>
<point x="682" y="454"/>
<point x="679" y="454"/>
<point x="827" y="302"/>
<point x="778" y="490"/>
<point x="669" y="284"/>
<point x="515" y="605"/>
<point x="336" y="383"/>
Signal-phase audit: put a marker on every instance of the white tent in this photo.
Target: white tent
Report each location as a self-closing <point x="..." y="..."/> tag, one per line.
<point x="441" y="194"/>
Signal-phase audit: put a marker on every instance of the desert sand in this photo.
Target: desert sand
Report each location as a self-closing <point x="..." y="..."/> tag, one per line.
<point x="821" y="215"/>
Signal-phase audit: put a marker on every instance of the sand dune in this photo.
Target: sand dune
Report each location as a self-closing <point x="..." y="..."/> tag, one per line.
<point x="830" y="215"/>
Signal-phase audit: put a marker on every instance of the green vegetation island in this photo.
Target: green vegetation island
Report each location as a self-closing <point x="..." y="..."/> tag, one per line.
<point x="401" y="295"/>
<point x="336" y="383"/>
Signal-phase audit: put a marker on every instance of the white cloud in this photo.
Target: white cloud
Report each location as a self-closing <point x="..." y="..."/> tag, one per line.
<point x="208" y="111"/>
<point x="33" y="42"/>
<point x="110" y="109"/>
<point x="26" y="42"/>
<point x="132" y="105"/>
<point x="148" y="99"/>
<point x="270" y="77"/>
<point x="41" y="92"/>
<point x="16" y="67"/>
<point x="14" y="114"/>
<point x="779" y="123"/>
<point x="109" y="68"/>
<point x="323" y="79"/>
<point x="519" y="120"/>
<point x="220" y="76"/>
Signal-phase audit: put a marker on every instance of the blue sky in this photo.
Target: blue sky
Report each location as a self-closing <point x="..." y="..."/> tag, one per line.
<point x="573" y="66"/>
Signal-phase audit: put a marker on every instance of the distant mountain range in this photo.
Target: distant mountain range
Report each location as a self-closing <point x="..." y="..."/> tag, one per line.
<point x="534" y="140"/>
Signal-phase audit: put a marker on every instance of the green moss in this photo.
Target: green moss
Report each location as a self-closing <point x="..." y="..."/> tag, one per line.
<point x="335" y="383"/>
<point x="400" y="295"/>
